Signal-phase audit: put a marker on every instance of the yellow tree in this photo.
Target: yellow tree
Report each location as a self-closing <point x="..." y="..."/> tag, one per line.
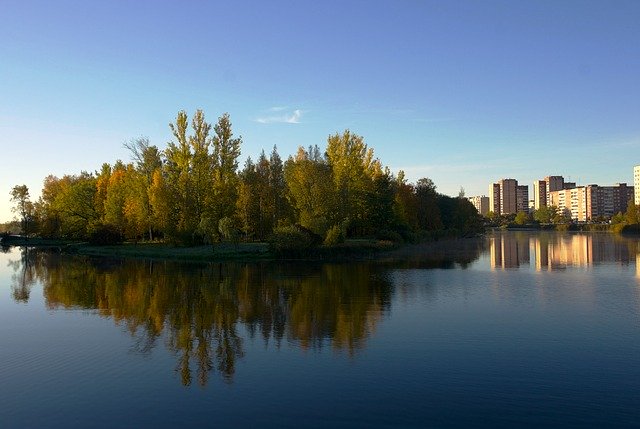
<point x="353" y="167"/>
<point x="308" y="179"/>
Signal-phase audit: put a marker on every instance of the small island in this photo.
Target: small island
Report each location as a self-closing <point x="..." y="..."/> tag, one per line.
<point x="191" y="201"/>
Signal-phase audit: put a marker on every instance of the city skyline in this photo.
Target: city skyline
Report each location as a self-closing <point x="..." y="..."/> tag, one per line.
<point x="448" y="91"/>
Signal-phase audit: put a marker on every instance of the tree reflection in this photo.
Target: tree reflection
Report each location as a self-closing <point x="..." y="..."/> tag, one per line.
<point x="203" y="311"/>
<point x="24" y="274"/>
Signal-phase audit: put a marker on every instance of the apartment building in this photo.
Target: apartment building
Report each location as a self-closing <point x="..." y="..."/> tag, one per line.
<point x="494" y="198"/>
<point x="542" y="188"/>
<point x="636" y="185"/>
<point x="481" y="203"/>
<point x="503" y="196"/>
<point x="522" y="198"/>
<point x="589" y="202"/>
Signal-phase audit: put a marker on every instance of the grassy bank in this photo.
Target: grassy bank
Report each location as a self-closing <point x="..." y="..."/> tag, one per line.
<point x="221" y="251"/>
<point x="351" y="249"/>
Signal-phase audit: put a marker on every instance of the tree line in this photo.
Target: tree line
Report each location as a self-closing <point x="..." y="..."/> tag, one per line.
<point x="194" y="192"/>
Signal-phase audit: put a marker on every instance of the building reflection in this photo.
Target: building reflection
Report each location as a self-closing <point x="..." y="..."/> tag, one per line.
<point x="508" y="251"/>
<point x="552" y="251"/>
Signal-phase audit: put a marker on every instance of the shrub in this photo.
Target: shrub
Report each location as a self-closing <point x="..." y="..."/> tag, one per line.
<point x="387" y="235"/>
<point x="293" y="239"/>
<point x="104" y="235"/>
<point x="335" y="235"/>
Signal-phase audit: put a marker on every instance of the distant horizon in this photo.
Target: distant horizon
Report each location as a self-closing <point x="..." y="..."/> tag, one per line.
<point x="464" y="93"/>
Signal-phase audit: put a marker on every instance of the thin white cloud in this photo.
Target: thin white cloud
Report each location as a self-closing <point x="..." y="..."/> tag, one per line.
<point x="285" y="118"/>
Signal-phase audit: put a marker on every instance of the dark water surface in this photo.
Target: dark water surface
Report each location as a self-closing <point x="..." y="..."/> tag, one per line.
<point x="511" y="330"/>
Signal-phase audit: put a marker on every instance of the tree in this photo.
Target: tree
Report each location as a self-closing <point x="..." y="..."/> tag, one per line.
<point x="23" y="206"/>
<point x="248" y="203"/>
<point x="226" y="150"/>
<point x="545" y="214"/>
<point x="308" y="178"/>
<point x="148" y="161"/>
<point x="631" y="215"/>
<point x="522" y="218"/>
<point x="427" y="210"/>
<point x="352" y="167"/>
<point x="282" y="210"/>
<point x="405" y="203"/>
<point x="188" y="172"/>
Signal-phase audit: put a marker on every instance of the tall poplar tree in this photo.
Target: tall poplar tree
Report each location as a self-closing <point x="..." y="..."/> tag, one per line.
<point x="226" y="150"/>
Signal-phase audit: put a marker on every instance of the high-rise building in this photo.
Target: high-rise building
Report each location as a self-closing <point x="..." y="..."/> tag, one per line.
<point x="481" y="203"/>
<point x="494" y="198"/>
<point x="522" y="198"/>
<point x="539" y="194"/>
<point x="503" y="196"/>
<point x="636" y="185"/>
<point x="541" y="189"/>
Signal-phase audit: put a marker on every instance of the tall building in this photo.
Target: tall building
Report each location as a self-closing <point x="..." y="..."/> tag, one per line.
<point x="522" y="198"/>
<point x="636" y="185"/>
<point x="539" y="194"/>
<point x="503" y="196"/>
<point x="542" y="188"/>
<point x="494" y="198"/>
<point x="481" y="203"/>
<point x="508" y="196"/>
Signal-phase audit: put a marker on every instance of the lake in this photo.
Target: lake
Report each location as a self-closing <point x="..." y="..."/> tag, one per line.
<point x="515" y="329"/>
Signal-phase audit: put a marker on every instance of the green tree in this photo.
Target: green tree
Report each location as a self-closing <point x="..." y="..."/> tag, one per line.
<point x="148" y="160"/>
<point x="23" y="206"/>
<point x="179" y="193"/>
<point x="522" y="218"/>
<point x="226" y="151"/>
<point x="248" y="203"/>
<point x="310" y="186"/>
<point x="545" y="214"/>
<point x="282" y="210"/>
<point x="188" y="172"/>
<point x="405" y="203"/>
<point x="352" y="167"/>
<point x="632" y="215"/>
<point x="428" y="211"/>
<point x="68" y="205"/>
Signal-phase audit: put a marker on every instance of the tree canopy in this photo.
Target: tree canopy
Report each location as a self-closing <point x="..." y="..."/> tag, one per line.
<point x="192" y="191"/>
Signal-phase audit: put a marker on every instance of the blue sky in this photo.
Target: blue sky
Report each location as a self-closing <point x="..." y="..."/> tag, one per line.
<point x="462" y="92"/>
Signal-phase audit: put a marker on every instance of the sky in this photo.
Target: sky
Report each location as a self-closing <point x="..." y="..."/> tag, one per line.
<point x="462" y="92"/>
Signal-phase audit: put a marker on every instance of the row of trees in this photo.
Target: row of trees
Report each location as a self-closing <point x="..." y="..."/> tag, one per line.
<point x="193" y="191"/>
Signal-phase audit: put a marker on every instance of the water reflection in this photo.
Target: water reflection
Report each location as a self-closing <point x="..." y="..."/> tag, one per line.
<point x="24" y="274"/>
<point x="553" y="251"/>
<point x="202" y="312"/>
<point x="205" y="313"/>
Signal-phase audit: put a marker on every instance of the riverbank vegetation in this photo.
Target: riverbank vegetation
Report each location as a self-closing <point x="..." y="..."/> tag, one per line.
<point x="193" y="193"/>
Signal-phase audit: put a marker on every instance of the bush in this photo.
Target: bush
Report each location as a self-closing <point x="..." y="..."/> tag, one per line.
<point x="335" y="235"/>
<point x="104" y="235"/>
<point x="293" y="239"/>
<point x="387" y="235"/>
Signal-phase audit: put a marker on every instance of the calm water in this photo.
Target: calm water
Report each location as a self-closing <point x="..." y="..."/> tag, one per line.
<point x="511" y="330"/>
